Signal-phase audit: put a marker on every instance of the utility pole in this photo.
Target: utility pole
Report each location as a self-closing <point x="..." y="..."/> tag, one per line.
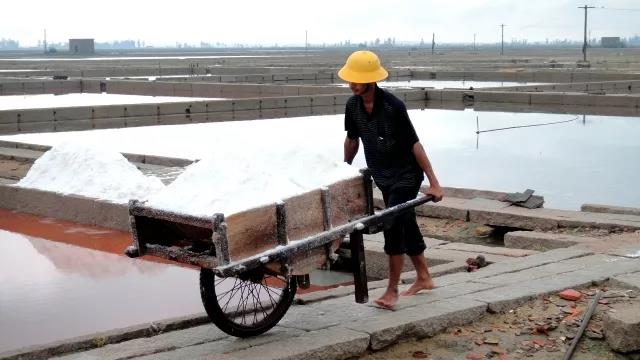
<point x="306" y="46"/>
<point x="474" y="41"/>
<point x="502" y="42"/>
<point x="433" y="43"/>
<point x="45" y="41"/>
<point x="584" y="45"/>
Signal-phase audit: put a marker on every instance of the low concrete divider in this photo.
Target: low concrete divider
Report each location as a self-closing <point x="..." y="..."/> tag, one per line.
<point x="75" y="208"/>
<point x="609" y="209"/>
<point x="110" y="116"/>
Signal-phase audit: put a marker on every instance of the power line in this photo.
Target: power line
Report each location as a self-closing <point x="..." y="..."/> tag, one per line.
<point x="616" y="9"/>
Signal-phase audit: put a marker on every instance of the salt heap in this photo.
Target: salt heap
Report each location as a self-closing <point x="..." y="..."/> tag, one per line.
<point x="230" y="180"/>
<point x="71" y="168"/>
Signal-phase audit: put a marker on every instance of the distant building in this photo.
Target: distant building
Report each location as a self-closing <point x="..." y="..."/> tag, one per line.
<point x="82" y="46"/>
<point x="610" y="42"/>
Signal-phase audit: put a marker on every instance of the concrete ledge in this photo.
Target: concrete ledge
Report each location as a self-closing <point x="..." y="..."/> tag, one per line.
<point x="609" y="209"/>
<point x="541" y="241"/>
<point x="75" y="208"/>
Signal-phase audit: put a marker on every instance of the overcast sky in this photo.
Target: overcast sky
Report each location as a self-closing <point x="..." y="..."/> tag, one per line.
<point x="327" y="21"/>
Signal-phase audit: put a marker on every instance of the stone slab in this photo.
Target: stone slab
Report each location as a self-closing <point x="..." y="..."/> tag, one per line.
<point x="625" y="245"/>
<point x="631" y="280"/>
<point x="511" y="296"/>
<point x="333" y="343"/>
<point x="622" y="329"/>
<point x="483" y="249"/>
<point x="536" y="240"/>
<point x="153" y="344"/>
<point x="448" y="208"/>
<point x="210" y="349"/>
<point x="547" y="270"/>
<point x="423" y="320"/>
<point x="512" y="265"/>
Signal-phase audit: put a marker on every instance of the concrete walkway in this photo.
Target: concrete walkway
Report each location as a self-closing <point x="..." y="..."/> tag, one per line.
<point x="338" y="328"/>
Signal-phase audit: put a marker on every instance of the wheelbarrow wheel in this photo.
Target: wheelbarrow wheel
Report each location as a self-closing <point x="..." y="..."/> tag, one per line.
<point x="248" y="304"/>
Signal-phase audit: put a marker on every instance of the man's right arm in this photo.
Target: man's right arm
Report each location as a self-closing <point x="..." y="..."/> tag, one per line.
<point x="350" y="149"/>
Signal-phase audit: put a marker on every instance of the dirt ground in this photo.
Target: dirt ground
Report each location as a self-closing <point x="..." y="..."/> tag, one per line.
<point x="541" y="329"/>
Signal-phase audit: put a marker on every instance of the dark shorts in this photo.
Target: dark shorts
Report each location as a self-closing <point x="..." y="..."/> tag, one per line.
<point x="404" y="236"/>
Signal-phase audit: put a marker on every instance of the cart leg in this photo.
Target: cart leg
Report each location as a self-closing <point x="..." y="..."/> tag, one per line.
<point x="359" y="267"/>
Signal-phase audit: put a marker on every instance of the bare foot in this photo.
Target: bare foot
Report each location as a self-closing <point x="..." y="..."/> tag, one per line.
<point x="388" y="300"/>
<point x="418" y="286"/>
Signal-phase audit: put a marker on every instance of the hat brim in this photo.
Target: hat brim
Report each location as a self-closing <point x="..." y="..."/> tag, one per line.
<point x="362" y="77"/>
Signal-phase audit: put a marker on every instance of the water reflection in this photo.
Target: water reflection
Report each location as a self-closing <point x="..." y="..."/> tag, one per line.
<point x="53" y="291"/>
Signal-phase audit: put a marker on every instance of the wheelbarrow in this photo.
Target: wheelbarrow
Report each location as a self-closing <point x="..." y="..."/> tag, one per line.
<point x="251" y="263"/>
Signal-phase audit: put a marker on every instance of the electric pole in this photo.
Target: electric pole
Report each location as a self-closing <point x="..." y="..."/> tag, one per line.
<point x="45" y="41"/>
<point x="502" y="41"/>
<point x="584" y="45"/>
<point x="433" y="43"/>
<point x="474" y="41"/>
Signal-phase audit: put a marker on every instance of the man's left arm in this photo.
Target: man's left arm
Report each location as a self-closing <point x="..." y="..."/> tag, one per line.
<point x="408" y="133"/>
<point x="425" y="165"/>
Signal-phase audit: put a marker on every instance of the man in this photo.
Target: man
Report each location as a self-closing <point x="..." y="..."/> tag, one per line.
<point x="397" y="162"/>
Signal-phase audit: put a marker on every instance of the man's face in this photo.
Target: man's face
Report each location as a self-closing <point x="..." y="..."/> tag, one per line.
<point x="359" y="89"/>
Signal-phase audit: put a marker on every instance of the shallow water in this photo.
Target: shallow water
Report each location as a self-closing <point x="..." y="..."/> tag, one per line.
<point x="53" y="290"/>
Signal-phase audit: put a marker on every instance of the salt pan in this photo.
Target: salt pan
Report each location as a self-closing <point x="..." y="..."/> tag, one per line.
<point x="71" y="168"/>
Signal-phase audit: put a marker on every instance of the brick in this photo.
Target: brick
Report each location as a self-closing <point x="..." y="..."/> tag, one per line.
<point x="570" y="294"/>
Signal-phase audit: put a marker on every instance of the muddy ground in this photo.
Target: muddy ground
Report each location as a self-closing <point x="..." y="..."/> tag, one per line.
<point x="541" y="329"/>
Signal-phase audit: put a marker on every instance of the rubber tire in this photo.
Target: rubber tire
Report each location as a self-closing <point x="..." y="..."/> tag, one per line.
<point x="219" y="318"/>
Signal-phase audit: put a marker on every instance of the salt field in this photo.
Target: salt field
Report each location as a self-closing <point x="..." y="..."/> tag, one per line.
<point x="43" y="101"/>
<point x="602" y="149"/>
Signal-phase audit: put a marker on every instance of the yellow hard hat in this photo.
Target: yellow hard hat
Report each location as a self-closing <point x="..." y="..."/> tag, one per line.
<point x="363" y="67"/>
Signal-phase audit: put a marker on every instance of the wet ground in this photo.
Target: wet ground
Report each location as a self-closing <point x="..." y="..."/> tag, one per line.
<point x="541" y="329"/>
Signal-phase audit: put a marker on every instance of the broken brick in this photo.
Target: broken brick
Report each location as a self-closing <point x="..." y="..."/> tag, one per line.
<point x="571" y="295"/>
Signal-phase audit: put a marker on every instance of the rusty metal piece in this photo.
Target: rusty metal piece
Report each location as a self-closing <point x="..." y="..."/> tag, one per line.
<point x="281" y="223"/>
<point x="368" y="189"/>
<point x="304" y="282"/>
<point x="356" y="243"/>
<point x="326" y="208"/>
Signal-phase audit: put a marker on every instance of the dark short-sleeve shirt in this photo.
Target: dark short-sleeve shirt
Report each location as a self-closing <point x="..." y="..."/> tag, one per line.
<point x="387" y="136"/>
